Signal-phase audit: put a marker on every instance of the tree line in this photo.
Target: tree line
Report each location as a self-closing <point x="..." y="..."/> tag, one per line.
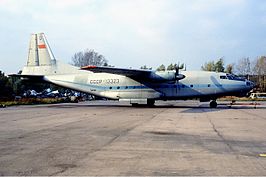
<point x="244" y="66"/>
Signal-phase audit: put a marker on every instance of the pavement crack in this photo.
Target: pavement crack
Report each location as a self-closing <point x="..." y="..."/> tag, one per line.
<point x="64" y="167"/>
<point x="123" y="133"/>
<point x="219" y="134"/>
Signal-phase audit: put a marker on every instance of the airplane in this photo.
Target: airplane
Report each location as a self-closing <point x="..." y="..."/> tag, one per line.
<point x="137" y="86"/>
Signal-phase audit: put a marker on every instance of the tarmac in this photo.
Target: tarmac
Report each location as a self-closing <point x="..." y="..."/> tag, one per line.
<point x="114" y="138"/>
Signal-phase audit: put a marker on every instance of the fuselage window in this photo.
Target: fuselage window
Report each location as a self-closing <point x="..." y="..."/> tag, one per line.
<point x="134" y="87"/>
<point x="110" y="87"/>
<point x="191" y="85"/>
<point x="126" y="87"/>
<point x="118" y="87"/>
<point x="183" y="86"/>
<point x="209" y="85"/>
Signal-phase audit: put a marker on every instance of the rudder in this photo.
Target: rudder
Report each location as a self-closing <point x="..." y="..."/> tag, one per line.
<point x="40" y="53"/>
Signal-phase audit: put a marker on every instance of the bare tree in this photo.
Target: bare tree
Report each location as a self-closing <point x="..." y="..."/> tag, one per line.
<point x="260" y="66"/>
<point x="229" y="68"/>
<point x="209" y="66"/>
<point x="88" y="57"/>
<point x="243" y="66"/>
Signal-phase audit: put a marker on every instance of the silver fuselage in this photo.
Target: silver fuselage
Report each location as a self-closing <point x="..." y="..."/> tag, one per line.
<point x="196" y="84"/>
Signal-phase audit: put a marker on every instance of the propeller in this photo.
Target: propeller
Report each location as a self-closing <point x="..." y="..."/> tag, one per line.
<point x="177" y="69"/>
<point x="178" y="76"/>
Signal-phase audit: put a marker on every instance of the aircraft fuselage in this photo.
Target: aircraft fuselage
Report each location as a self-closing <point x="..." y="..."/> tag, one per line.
<point x="197" y="84"/>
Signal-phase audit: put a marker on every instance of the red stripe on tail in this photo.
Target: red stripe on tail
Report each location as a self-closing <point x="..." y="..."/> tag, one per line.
<point x="41" y="46"/>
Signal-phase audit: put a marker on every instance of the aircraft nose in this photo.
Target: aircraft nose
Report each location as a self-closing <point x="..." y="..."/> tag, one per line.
<point x="250" y="84"/>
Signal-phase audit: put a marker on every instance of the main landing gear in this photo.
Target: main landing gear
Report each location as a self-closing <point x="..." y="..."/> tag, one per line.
<point x="150" y="102"/>
<point x="213" y="104"/>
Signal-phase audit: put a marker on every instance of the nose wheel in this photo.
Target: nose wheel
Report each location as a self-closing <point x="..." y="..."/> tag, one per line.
<point x="213" y="104"/>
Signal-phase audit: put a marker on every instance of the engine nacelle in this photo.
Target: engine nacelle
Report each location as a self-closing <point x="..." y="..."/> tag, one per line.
<point x="163" y="76"/>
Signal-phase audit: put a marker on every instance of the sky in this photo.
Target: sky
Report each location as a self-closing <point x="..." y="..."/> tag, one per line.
<point x="133" y="33"/>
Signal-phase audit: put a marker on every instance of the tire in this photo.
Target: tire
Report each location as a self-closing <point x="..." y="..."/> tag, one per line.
<point x="150" y="103"/>
<point x="134" y="104"/>
<point x="213" y="104"/>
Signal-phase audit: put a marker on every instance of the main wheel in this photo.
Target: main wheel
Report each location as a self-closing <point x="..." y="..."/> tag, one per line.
<point x="150" y="102"/>
<point x="213" y="104"/>
<point x="134" y="104"/>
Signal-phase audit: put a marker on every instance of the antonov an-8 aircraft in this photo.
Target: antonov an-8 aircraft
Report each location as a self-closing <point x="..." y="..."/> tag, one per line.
<point x="135" y="85"/>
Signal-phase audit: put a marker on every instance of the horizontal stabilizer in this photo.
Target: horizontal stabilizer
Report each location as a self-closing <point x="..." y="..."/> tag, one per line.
<point x="28" y="77"/>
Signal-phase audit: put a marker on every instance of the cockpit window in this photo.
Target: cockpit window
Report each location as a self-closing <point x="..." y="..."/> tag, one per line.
<point x="234" y="77"/>
<point x="223" y="77"/>
<point x="230" y="77"/>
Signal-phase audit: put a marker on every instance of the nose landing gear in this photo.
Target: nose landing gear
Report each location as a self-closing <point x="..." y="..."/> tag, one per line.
<point x="213" y="104"/>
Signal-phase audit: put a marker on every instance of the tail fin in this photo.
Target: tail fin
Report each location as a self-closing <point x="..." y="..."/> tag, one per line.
<point x="41" y="60"/>
<point x="40" y="53"/>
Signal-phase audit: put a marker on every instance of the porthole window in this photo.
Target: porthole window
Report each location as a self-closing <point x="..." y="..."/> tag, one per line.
<point x="209" y="85"/>
<point x="118" y="87"/>
<point x="126" y="87"/>
<point x="191" y="85"/>
<point x="110" y="87"/>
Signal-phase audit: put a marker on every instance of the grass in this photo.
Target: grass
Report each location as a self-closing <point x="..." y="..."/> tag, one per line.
<point x="233" y="98"/>
<point x="31" y="101"/>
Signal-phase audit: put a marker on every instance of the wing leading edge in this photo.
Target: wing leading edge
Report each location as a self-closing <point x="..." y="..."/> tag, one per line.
<point x="132" y="73"/>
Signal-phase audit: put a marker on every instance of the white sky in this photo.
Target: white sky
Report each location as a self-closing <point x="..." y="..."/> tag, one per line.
<point x="131" y="33"/>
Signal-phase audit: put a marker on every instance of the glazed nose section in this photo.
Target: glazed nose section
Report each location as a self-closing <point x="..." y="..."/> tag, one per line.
<point x="250" y="84"/>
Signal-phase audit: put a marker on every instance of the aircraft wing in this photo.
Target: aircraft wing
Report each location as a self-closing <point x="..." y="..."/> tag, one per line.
<point x="138" y="74"/>
<point x="27" y="77"/>
<point x="132" y="73"/>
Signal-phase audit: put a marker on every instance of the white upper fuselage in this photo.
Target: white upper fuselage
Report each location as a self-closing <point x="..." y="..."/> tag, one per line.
<point x="113" y="86"/>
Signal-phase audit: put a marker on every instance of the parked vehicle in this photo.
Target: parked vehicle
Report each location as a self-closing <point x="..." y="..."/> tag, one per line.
<point x="258" y="95"/>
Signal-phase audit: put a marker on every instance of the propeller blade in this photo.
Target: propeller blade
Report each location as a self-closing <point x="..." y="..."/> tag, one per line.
<point x="177" y="75"/>
<point x="177" y="69"/>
